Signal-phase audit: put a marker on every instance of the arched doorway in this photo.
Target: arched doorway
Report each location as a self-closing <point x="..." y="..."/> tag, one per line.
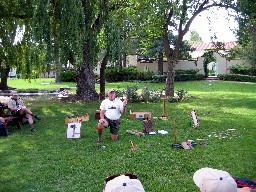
<point x="212" y="69"/>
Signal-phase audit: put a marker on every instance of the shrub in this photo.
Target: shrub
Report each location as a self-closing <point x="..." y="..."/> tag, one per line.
<point x="240" y="69"/>
<point x="132" y="94"/>
<point x="159" y="78"/>
<point x="252" y="71"/>
<point x="149" y="95"/>
<point x="178" y="77"/>
<point x="191" y="71"/>
<point x="188" y="77"/>
<point x="237" y="77"/>
<point x="68" y="76"/>
<point x="114" y="74"/>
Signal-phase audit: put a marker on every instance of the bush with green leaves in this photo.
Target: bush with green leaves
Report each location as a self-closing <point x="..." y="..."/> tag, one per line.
<point x="159" y="78"/>
<point x="68" y="76"/>
<point x="180" y="75"/>
<point x="242" y="70"/>
<point x="191" y="71"/>
<point x="239" y="69"/>
<point x="132" y="94"/>
<point x="149" y="95"/>
<point x="188" y="77"/>
<point x="114" y="74"/>
<point x="237" y="77"/>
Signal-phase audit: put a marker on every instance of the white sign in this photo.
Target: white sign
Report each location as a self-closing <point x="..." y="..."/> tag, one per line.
<point x="74" y="130"/>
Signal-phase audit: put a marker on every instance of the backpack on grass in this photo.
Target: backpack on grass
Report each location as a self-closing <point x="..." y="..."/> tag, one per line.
<point x="3" y="131"/>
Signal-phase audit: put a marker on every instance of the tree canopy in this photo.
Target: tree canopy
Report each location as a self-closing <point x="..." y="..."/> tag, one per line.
<point x="247" y="30"/>
<point x="79" y="30"/>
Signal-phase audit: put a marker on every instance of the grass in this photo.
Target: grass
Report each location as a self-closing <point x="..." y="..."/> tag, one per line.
<point x="47" y="161"/>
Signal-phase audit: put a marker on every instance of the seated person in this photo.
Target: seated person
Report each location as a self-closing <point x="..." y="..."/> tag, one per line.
<point x="125" y="182"/>
<point x="17" y="107"/>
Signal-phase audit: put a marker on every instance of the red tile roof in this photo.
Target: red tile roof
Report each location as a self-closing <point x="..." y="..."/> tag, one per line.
<point x="204" y="46"/>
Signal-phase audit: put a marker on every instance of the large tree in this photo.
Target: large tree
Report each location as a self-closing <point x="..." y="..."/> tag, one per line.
<point x="68" y="31"/>
<point x="158" y="17"/>
<point x="74" y="30"/>
<point x="16" y="49"/>
<point x="247" y="30"/>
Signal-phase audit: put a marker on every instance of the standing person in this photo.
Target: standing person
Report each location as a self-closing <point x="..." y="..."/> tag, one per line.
<point x="17" y="108"/>
<point x="110" y="112"/>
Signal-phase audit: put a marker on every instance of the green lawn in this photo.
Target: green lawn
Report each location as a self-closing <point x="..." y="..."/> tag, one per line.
<point x="47" y="161"/>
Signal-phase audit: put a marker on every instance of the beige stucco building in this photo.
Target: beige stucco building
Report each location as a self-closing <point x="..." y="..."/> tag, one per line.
<point x="221" y="66"/>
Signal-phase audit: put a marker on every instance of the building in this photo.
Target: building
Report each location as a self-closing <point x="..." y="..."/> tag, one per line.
<point x="221" y="66"/>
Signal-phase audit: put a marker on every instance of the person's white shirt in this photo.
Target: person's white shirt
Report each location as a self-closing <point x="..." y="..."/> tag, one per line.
<point x="112" y="108"/>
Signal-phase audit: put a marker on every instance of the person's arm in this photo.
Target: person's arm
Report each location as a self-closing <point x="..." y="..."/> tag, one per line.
<point x="123" y="108"/>
<point x="102" y="112"/>
<point x="246" y="189"/>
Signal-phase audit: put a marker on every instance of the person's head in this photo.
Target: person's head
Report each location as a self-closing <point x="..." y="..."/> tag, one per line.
<point x="111" y="94"/>
<point x="123" y="183"/>
<point x="214" y="180"/>
<point x="14" y="94"/>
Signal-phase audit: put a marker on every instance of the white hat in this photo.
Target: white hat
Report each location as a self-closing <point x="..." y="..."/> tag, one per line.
<point x="14" y="92"/>
<point x="213" y="180"/>
<point x="123" y="183"/>
<point x="111" y="90"/>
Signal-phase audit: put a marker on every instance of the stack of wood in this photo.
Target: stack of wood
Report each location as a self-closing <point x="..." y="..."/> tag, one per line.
<point x="135" y="132"/>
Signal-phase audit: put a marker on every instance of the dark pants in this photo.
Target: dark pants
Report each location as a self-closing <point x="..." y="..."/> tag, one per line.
<point x="113" y="125"/>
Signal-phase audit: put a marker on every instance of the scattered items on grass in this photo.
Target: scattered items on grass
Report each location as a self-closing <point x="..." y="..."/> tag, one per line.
<point x="63" y="93"/>
<point x="185" y="145"/>
<point x="228" y="134"/>
<point x="152" y="133"/>
<point x="162" y="132"/>
<point x="201" y="141"/>
<point x="77" y="119"/>
<point x="135" y="132"/>
<point x="133" y="148"/>
<point x="101" y="147"/>
<point x="139" y="115"/>
<point x="189" y="144"/>
<point x="176" y="145"/>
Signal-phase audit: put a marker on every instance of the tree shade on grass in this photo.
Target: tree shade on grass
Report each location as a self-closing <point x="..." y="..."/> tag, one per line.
<point x="47" y="161"/>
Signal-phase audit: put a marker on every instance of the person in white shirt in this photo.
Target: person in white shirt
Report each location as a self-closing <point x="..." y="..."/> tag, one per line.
<point x="17" y="108"/>
<point x="110" y="112"/>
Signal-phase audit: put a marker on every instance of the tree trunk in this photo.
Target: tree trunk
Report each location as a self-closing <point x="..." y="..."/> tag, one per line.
<point x="85" y="78"/>
<point x="124" y="59"/>
<point x="4" y="77"/>
<point x="124" y="51"/>
<point x="57" y="76"/>
<point x="169" y="89"/>
<point x="160" y="63"/>
<point x="102" y="76"/>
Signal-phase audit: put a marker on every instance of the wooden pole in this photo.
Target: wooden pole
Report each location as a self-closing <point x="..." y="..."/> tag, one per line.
<point x="174" y="131"/>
